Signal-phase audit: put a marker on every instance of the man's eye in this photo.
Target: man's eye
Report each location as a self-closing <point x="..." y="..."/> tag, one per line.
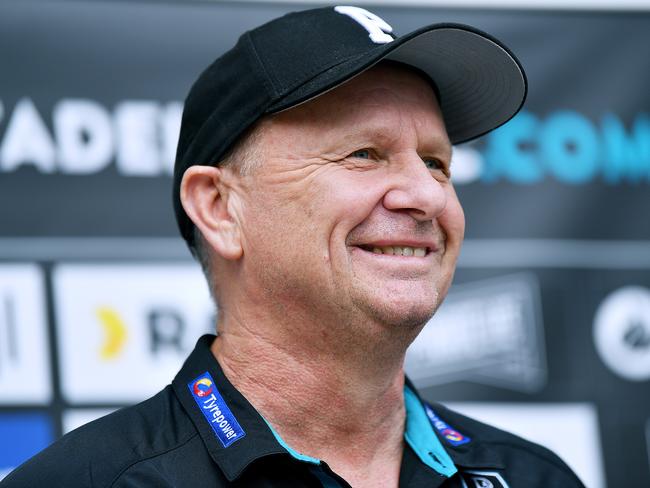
<point x="436" y="165"/>
<point x="432" y="163"/>
<point x="361" y="153"/>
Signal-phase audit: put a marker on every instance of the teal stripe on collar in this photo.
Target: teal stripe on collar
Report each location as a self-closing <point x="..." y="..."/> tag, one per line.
<point x="422" y="439"/>
<point x="295" y="454"/>
<point x="419" y="434"/>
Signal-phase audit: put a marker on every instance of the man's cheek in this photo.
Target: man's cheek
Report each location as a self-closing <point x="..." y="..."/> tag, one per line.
<point x="452" y="221"/>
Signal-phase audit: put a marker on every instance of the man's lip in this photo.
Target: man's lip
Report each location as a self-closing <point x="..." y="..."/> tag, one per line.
<point x="430" y="246"/>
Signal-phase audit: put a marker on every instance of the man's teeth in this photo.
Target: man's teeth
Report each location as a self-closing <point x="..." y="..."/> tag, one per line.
<point x="401" y="250"/>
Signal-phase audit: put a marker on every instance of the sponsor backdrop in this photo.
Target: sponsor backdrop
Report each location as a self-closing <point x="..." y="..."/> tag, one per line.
<point x="546" y="332"/>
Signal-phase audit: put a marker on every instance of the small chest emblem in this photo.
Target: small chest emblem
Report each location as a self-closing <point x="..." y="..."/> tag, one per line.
<point x="482" y="479"/>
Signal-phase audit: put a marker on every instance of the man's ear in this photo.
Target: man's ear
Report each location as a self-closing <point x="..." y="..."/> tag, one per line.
<point x="204" y="195"/>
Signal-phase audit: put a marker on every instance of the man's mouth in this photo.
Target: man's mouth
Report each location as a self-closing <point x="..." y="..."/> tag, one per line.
<point x="408" y="251"/>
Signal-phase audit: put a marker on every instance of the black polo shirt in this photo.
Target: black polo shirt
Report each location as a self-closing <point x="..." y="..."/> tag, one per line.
<point x="201" y="432"/>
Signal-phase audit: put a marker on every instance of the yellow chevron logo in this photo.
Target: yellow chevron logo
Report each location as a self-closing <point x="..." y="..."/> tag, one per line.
<point x="115" y="333"/>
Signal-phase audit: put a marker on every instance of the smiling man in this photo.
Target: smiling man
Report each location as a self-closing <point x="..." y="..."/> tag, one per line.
<point x="336" y="248"/>
<point x="313" y="184"/>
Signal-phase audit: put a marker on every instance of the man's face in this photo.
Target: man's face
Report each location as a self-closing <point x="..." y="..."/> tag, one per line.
<point x="351" y="216"/>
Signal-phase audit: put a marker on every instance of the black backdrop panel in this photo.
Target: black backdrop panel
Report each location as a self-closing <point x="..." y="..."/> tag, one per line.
<point x="90" y="102"/>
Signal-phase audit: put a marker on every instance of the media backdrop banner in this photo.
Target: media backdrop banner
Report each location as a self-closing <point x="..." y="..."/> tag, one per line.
<point x="546" y="331"/>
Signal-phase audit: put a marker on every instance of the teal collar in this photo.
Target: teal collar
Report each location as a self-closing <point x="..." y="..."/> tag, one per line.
<point x="419" y="434"/>
<point x="295" y="454"/>
<point x="422" y="439"/>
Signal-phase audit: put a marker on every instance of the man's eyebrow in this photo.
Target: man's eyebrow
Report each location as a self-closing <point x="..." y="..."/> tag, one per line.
<point x="438" y="145"/>
<point x="381" y="132"/>
<point x="376" y="132"/>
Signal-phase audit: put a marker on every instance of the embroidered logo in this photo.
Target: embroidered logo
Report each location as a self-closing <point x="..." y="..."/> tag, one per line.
<point x="378" y="29"/>
<point x="452" y="436"/>
<point x="214" y="409"/>
<point x="482" y="479"/>
<point x="202" y="387"/>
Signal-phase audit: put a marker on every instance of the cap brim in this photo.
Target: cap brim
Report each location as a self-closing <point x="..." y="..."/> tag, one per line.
<point x="480" y="82"/>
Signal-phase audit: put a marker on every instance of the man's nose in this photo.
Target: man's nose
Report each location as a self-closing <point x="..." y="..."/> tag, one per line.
<point x="415" y="190"/>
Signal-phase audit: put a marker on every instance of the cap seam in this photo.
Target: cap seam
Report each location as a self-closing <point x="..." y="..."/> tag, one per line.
<point x="295" y="83"/>
<point x="312" y="75"/>
<point x="268" y="80"/>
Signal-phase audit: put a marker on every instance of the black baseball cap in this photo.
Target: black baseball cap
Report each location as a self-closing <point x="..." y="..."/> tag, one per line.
<point x="297" y="57"/>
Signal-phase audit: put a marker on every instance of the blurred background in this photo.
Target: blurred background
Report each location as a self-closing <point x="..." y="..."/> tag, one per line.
<point x="546" y="331"/>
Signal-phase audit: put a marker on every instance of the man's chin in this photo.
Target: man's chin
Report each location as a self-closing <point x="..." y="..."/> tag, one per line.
<point x="402" y="315"/>
<point x="396" y="305"/>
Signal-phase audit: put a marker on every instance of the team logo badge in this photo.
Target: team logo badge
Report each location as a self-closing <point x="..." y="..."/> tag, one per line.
<point x="202" y="387"/>
<point x="482" y="479"/>
<point x="452" y="435"/>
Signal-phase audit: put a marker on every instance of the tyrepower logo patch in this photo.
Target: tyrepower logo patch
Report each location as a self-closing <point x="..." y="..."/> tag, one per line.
<point x="452" y="436"/>
<point x="214" y="409"/>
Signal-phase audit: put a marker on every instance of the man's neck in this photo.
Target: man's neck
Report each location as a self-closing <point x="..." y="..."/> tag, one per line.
<point x="333" y="406"/>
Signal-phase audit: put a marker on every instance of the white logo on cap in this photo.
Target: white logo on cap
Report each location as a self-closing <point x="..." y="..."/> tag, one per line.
<point x="377" y="27"/>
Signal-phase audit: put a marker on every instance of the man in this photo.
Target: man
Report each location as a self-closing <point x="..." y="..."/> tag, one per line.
<point x="313" y="184"/>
